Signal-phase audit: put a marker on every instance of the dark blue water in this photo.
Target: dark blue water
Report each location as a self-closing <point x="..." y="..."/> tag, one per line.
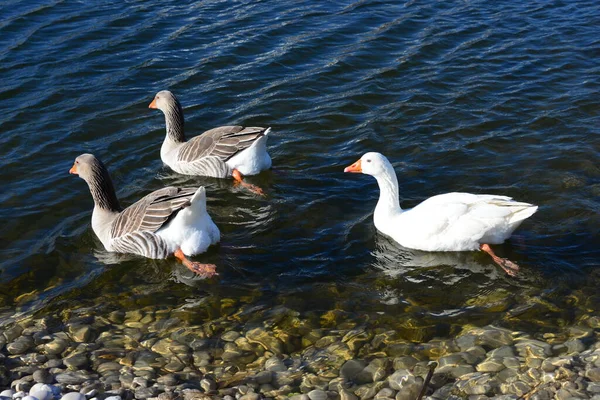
<point x="478" y="96"/>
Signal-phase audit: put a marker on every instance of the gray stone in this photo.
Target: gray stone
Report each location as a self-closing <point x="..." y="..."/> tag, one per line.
<point x="530" y="348"/>
<point x="385" y="393"/>
<point x="30" y="398"/>
<point x="250" y="396"/>
<point x="574" y="346"/>
<point x="351" y="368"/>
<point x="20" y="345"/>
<point x="268" y="341"/>
<point x="72" y="378"/>
<point x="347" y="395"/>
<point x="13" y="332"/>
<point x="81" y="333"/>
<point x="76" y="361"/>
<point x="73" y="396"/>
<point x="501" y="352"/>
<point x="404" y="362"/>
<point x="317" y="395"/>
<point x="593" y="374"/>
<point x="43" y="376"/>
<point x="41" y="391"/>
<point x="167" y="380"/>
<point x="230" y="336"/>
<point x="494" y="337"/>
<point x="56" y="346"/>
<point x="476" y="383"/>
<point x="145" y="392"/>
<point x="369" y="391"/>
<point x="490" y="365"/>
<point x="263" y="377"/>
<point x="518" y="388"/>
<point x="375" y="371"/>
<point x="398" y="378"/>
<point x="7" y="393"/>
<point x="208" y="385"/>
<point x="410" y="388"/>
<point x="274" y="364"/>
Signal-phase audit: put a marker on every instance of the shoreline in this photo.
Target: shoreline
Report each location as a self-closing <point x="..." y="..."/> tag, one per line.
<point x="150" y="354"/>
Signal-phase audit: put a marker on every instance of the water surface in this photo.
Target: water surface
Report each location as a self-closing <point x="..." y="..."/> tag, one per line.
<point x="478" y="96"/>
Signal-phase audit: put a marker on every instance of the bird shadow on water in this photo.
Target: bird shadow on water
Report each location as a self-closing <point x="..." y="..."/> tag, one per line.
<point x="442" y="282"/>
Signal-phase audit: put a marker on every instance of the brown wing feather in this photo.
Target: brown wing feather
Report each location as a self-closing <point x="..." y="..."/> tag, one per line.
<point x="223" y="142"/>
<point x="152" y="211"/>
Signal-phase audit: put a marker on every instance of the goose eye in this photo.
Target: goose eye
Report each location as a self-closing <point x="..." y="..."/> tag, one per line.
<point x="368" y="160"/>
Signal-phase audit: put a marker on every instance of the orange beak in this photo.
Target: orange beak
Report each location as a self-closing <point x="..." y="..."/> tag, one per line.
<point x="153" y="104"/>
<point x="354" y="168"/>
<point x="73" y="170"/>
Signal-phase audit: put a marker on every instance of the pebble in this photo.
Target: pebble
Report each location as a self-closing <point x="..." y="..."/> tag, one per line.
<point x="73" y="396"/>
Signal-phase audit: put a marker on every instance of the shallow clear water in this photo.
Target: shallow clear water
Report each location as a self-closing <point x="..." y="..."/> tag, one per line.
<point x="474" y="96"/>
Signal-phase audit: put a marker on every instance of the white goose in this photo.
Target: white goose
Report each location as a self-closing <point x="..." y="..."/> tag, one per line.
<point x="446" y="222"/>
<point x="220" y="152"/>
<point x="167" y="221"/>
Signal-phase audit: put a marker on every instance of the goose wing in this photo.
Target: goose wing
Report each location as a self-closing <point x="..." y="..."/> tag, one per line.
<point x="152" y="211"/>
<point x="223" y="142"/>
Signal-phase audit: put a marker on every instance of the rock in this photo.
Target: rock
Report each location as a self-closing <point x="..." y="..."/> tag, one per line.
<point x="574" y="346"/>
<point x="81" y="333"/>
<point x="375" y="371"/>
<point x="490" y="365"/>
<point x="518" y="388"/>
<point x="13" y="332"/>
<point x="230" y="336"/>
<point x="41" y="391"/>
<point x="263" y="377"/>
<point x="530" y="348"/>
<point x="76" y="361"/>
<point x="317" y="395"/>
<point x="593" y="374"/>
<point x="369" y="391"/>
<point x="385" y="393"/>
<point x="351" y="368"/>
<point x="493" y="337"/>
<point x="56" y="346"/>
<point x="72" y="378"/>
<point x="43" y="376"/>
<point x="250" y="396"/>
<point x="501" y="352"/>
<point x="7" y="393"/>
<point x="346" y="395"/>
<point x="167" y="380"/>
<point x="405" y="362"/>
<point x="208" y="385"/>
<point x="274" y="364"/>
<point x="29" y="398"/>
<point x="475" y="383"/>
<point x="269" y="342"/>
<point x="73" y="396"/>
<point x="20" y="345"/>
<point x="145" y="392"/>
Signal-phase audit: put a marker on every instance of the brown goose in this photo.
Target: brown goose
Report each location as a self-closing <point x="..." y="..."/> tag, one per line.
<point x="220" y="152"/>
<point x="167" y="221"/>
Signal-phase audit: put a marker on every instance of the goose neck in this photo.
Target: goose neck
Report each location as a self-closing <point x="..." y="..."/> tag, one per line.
<point x="389" y="200"/>
<point x="175" y="123"/>
<point x="103" y="191"/>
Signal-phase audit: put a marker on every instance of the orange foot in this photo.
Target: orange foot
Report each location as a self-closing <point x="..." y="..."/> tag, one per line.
<point x="204" y="270"/>
<point x="508" y="266"/>
<point x="239" y="180"/>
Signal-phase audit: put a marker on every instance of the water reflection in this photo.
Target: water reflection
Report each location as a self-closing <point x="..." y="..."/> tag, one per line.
<point x="396" y="261"/>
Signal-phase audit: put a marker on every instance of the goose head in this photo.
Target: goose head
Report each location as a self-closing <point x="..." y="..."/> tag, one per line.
<point x="372" y="163"/>
<point x="164" y="101"/>
<point x="86" y="166"/>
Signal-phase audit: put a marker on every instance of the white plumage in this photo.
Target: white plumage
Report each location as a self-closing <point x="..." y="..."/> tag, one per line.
<point x="446" y="222"/>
